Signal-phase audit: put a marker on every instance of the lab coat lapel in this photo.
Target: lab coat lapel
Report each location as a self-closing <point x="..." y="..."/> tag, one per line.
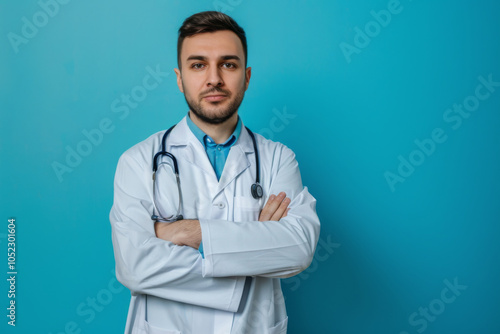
<point x="185" y="144"/>
<point x="237" y="160"/>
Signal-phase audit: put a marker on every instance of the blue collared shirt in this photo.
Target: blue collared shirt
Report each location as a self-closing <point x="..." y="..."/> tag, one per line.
<point x="217" y="153"/>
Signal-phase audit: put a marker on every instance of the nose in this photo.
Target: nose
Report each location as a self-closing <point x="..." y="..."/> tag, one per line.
<point x="214" y="77"/>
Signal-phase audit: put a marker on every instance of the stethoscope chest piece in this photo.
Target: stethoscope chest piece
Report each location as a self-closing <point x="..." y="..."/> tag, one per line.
<point x="257" y="191"/>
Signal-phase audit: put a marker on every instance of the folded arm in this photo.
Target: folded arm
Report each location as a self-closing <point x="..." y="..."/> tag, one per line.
<point x="187" y="232"/>
<point x="148" y="265"/>
<point x="281" y="243"/>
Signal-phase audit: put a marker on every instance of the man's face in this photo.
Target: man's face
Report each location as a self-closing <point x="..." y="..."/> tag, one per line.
<point x="213" y="77"/>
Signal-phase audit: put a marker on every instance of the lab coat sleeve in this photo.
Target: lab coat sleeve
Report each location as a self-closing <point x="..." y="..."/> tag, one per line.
<point x="148" y="265"/>
<point x="271" y="248"/>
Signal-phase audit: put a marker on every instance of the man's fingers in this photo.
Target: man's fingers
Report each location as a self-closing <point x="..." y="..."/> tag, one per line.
<point x="286" y="213"/>
<point x="274" y="208"/>
<point x="157" y="229"/>
<point x="281" y="211"/>
<point x="272" y="204"/>
<point x="265" y="213"/>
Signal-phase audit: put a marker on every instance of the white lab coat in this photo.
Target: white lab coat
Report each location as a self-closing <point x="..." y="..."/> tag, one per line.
<point x="236" y="288"/>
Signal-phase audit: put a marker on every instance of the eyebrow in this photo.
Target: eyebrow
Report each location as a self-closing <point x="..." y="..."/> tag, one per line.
<point x="226" y="57"/>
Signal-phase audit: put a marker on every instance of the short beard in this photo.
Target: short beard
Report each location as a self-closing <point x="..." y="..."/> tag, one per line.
<point x="197" y="109"/>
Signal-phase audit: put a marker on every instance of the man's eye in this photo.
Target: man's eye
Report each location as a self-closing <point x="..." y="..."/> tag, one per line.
<point x="229" y="65"/>
<point x="197" y="66"/>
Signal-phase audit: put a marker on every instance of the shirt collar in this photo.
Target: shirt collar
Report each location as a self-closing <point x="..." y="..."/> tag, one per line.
<point x="206" y="140"/>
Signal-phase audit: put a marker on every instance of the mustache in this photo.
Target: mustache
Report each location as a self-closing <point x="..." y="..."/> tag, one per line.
<point x="216" y="90"/>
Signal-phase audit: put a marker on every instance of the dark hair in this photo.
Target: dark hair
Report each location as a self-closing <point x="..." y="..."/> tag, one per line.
<point x="209" y="21"/>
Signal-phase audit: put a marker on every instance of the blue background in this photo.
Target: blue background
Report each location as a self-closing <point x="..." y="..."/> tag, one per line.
<point x="385" y="252"/>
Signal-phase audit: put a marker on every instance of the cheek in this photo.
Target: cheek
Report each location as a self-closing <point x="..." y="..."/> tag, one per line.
<point x="192" y="86"/>
<point x="235" y="83"/>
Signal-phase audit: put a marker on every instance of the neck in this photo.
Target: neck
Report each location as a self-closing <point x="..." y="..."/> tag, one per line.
<point x="218" y="132"/>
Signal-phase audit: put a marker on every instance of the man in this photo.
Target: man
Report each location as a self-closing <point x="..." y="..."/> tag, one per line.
<point x="220" y="270"/>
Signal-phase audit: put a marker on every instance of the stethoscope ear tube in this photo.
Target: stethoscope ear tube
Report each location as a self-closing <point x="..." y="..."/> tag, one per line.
<point x="256" y="188"/>
<point x="170" y="155"/>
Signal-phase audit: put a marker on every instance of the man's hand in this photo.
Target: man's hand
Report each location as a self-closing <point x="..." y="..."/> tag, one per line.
<point x="275" y="208"/>
<point x="185" y="232"/>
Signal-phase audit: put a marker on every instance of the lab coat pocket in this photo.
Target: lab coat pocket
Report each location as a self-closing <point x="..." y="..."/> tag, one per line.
<point x="246" y="209"/>
<point x="280" y="327"/>
<point x="156" y="330"/>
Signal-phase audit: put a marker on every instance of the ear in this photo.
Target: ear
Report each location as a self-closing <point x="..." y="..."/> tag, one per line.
<point x="248" y="74"/>
<point x="179" y="79"/>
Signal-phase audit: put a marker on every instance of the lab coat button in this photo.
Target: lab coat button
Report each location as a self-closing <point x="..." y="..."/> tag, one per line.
<point x="220" y="205"/>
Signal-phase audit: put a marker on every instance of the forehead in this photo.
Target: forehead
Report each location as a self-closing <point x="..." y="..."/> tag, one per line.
<point x="212" y="45"/>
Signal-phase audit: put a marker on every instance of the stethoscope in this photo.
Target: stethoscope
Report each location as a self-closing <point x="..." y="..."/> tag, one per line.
<point x="255" y="189"/>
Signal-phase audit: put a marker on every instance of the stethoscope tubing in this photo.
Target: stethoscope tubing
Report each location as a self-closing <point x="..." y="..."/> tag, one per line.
<point x="256" y="188"/>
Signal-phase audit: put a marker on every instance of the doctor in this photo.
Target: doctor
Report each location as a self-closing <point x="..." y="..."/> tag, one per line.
<point x="219" y="269"/>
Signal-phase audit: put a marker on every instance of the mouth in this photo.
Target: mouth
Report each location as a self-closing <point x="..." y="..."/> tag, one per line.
<point x="215" y="97"/>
